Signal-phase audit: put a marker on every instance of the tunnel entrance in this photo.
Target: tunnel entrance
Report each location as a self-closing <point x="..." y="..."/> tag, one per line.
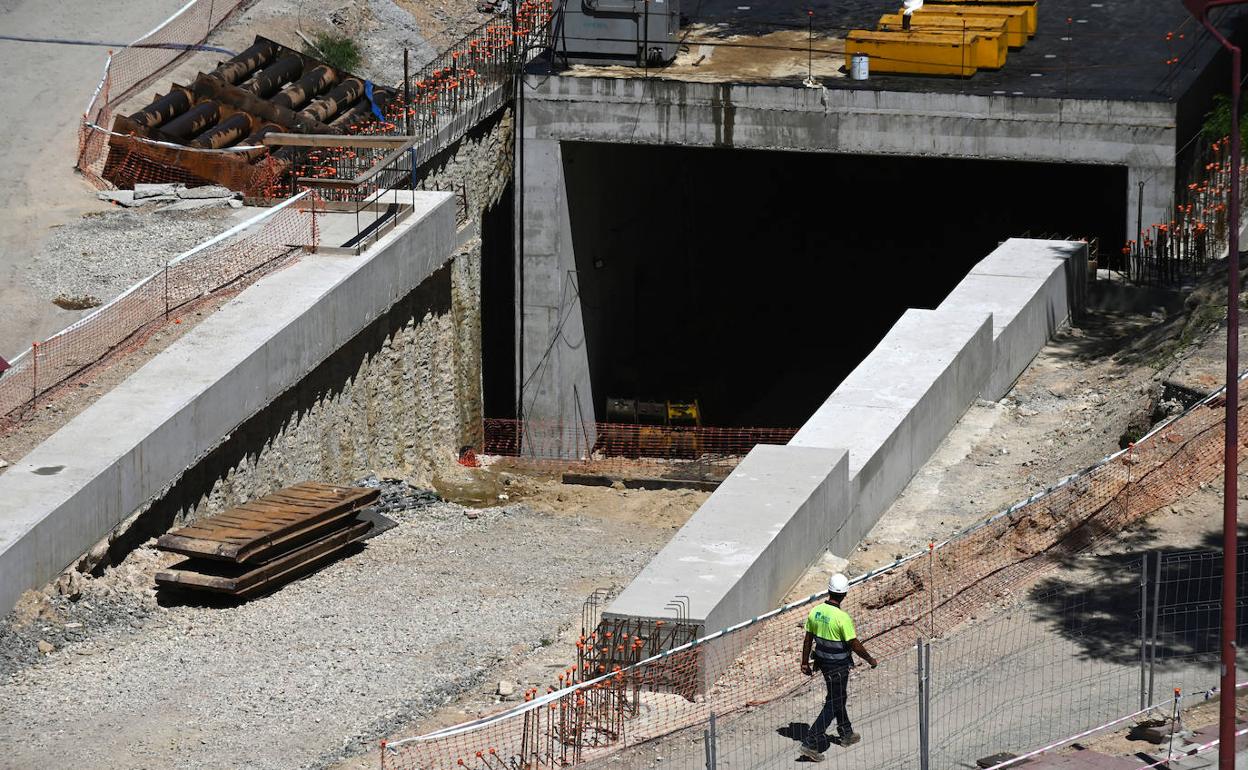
<point x="498" y="307"/>
<point x="754" y="281"/>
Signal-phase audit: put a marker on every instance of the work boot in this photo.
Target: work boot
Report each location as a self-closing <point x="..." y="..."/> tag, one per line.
<point x="849" y="739"/>
<point x="811" y="753"/>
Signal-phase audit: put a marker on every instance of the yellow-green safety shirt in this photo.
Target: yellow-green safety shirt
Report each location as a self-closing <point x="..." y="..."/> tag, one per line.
<point x="833" y="630"/>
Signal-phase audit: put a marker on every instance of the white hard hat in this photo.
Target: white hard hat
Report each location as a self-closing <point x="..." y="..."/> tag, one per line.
<point x="838" y="584"/>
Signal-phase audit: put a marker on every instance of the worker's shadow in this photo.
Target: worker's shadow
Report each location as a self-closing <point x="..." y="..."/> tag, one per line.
<point x="797" y="731"/>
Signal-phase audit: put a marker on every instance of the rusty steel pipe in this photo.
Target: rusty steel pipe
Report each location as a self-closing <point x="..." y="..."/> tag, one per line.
<point x="225" y="133"/>
<point x="239" y="68"/>
<point x="329" y="105"/>
<point x="298" y="94"/>
<point x="165" y="108"/>
<point x="268" y="80"/>
<point x="358" y="114"/>
<point x="194" y="121"/>
<point x="255" y="138"/>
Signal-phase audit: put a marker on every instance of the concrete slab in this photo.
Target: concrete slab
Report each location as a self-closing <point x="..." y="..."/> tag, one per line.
<point x="122" y="451"/>
<point x="1030" y="287"/>
<point x="749" y="541"/>
<point x="896" y="407"/>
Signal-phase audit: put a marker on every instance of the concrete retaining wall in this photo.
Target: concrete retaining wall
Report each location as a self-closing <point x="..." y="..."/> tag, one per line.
<point x="136" y="441"/>
<point x="748" y="541"/>
<point x="1030" y="287"/>
<point x="896" y="407"/>
<point x="882" y="423"/>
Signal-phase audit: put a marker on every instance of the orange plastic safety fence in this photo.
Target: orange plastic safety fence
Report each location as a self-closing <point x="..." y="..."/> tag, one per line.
<point x="228" y="263"/>
<point x="132" y="68"/>
<point x="660" y="451"/>
<point x="619" y="694"/>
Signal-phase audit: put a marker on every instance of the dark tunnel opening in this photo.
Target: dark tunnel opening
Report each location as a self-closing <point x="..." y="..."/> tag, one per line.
<point x="754" y="281"/>
<point x="498" y="307"/>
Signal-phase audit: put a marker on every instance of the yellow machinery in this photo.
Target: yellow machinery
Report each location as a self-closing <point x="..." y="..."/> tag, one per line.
<point x="932" y="22"/>
<point x="1029" y="6"/>
<point x="928" y="53"/>
<point x="650" y="429"/>
<point x="945" y="37"/>
<point x="1018" y="17"/>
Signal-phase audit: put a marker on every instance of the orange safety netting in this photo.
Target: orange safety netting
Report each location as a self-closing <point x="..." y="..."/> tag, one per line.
<point x="229" y="261"/>
<point x="626" y="690"/>
<point x="650" y="451"/>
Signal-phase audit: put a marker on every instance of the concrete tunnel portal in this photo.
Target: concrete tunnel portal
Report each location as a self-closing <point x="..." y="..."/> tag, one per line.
<point x="754" y="281"/>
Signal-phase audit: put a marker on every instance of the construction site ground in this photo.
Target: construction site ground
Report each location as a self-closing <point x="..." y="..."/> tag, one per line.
<point x="426" y="625"/>
<point x="50" y="217"/>
<point x="420" y="628"/>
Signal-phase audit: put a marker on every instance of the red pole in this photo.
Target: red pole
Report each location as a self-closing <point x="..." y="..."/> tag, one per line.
<point x="1230" y="455"/>
<point x="1230" y="500"/>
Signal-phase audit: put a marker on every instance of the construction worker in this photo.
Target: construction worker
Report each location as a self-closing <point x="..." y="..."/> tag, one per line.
<point x="830" y="635"/>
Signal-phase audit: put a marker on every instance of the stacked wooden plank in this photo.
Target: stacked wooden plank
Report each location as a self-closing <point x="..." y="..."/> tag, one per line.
<point x="266" y="542"/>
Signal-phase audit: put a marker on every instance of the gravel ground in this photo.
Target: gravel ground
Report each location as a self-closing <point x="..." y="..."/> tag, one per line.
<point x="315" y="672"/>
<point x="104" y="253"/>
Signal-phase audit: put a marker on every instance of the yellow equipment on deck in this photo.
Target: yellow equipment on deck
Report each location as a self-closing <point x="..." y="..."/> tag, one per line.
<point x="1029" y="6"/>
<point x="1019" y="18"/>
<point x="945" y="37"/>
<point x="928" y="52"/>
<point x="933" y="22"/>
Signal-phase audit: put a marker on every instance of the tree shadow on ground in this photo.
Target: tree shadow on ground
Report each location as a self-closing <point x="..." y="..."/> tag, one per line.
<point x="1098" y="600"/>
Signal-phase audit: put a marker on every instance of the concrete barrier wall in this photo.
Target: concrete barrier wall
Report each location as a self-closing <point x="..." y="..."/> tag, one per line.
<point x="896" y="407"/>
<point x="749" y="540"/>
<point x="133" y="443"/>
<point x="745" y="547"/>
<point x="1030" y="287"/>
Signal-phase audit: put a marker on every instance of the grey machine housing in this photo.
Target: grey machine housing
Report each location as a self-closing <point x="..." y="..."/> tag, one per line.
<point x="637" y="32"/>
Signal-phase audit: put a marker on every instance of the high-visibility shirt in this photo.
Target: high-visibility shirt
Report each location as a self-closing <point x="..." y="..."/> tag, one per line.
<point x="833" y="630"/>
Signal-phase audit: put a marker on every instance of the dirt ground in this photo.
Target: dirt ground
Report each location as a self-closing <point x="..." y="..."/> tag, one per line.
<point x="708" y="56"/>
<point x="39" y="189"/>
<point x="427" y="613"/>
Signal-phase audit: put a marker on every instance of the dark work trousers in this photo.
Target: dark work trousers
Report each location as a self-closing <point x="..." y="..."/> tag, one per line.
<point x="836" y="678"/>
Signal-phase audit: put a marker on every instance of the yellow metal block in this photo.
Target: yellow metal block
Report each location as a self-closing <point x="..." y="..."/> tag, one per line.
<point x="1028" y="5"/>
<point x="931" y="22"/>
<point x="928" y="53"/>
<point x="1016" y="18"/>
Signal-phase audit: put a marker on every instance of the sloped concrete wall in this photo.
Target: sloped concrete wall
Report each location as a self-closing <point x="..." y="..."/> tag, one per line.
<point x="882" y="422"/>
<point x="137" y="442"/>
<point x="1030" y="287"/>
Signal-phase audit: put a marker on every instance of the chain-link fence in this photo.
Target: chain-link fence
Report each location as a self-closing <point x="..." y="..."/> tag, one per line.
<point x="229" y="261"/>
<point x="1011" y="662"/>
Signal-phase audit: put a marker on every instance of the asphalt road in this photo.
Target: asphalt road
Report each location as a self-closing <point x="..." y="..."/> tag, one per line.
<point x="45" y="91"/>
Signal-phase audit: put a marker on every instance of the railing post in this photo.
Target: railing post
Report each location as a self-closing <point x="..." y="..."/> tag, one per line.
<point x="1144" y="632"/>
<point x="34" y="371"/>
<point x="709" y="741"/>
<point x="924" y="650"/>
<point x="1152" y="645"/>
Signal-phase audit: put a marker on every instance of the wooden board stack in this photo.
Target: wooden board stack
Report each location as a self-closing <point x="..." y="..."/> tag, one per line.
<point x="267" y="542"/>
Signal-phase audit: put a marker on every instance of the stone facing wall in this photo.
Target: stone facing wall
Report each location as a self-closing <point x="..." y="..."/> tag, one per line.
<point x="399" y="400"/>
